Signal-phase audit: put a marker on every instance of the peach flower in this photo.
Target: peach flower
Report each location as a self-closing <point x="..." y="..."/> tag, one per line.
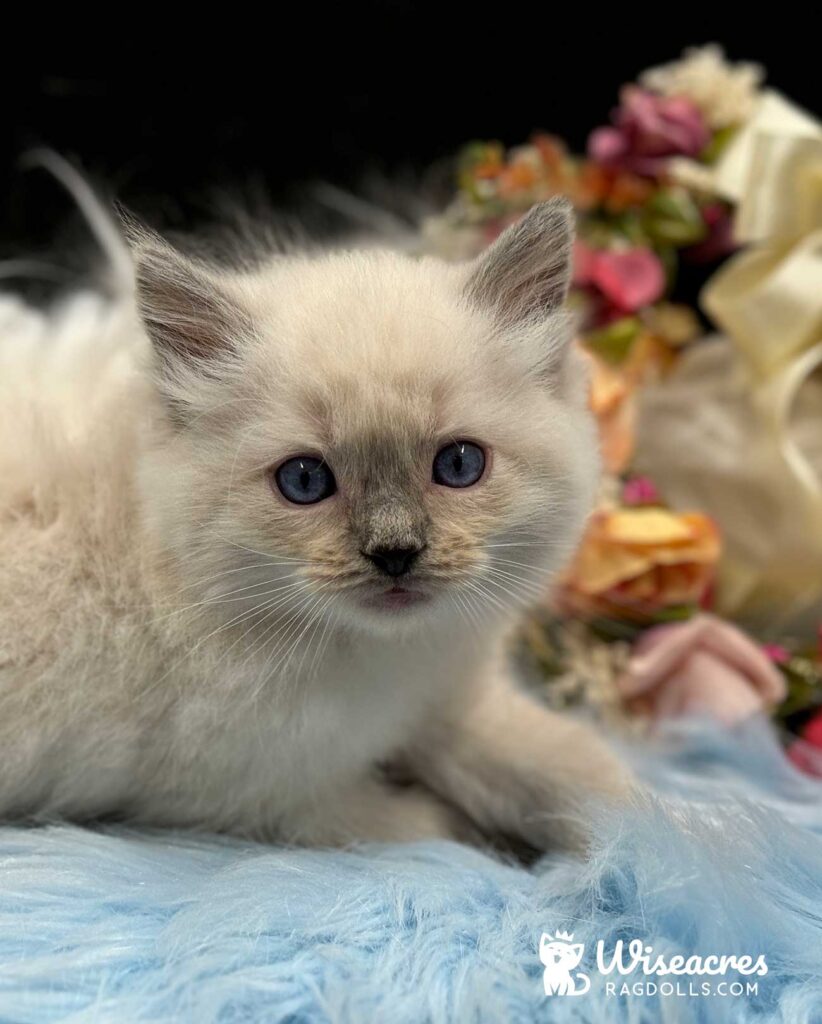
<point x="635" y="562"/>
<point x="613" y="395"/>
<point x="703" y="666"/>
<point x="612" y="403"/>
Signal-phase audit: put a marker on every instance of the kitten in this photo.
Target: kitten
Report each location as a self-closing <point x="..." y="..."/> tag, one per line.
<point x="267" y="532"/>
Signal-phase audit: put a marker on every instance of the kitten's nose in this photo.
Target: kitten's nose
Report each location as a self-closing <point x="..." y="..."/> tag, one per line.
<point x="393" y="561"/>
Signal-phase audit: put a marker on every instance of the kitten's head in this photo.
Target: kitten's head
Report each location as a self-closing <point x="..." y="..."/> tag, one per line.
<point x="367" y="437"/>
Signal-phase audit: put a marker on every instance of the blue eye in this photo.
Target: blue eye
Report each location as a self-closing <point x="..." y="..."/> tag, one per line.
<point x="459" y="465"/>
<point x="305" y="480"/>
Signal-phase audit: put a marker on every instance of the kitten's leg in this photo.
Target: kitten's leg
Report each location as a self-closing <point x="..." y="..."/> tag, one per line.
<point x="375" y="811"/>
<point x="519" y="769"/>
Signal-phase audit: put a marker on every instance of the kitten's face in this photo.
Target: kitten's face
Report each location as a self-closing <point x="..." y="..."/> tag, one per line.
<point x="376" y="451"/>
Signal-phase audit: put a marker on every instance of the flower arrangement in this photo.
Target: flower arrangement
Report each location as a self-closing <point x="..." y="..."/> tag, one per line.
<point x="637" y="221"/>
<point x="650" y="202"/>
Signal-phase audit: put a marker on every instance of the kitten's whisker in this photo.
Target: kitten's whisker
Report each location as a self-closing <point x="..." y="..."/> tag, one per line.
<point x="535" y="581"/>
<point x="262" y="641"/>
<point x="515" y="544"/>
<point x="489" y="567"/>
<point x="311" y="616"/>
<point x="304" y="617"/>
<point x="237" y="620"/>
<point x="272" y="563"/>
<point x="234" y="543"/>
<point x="472" y="582"/>
<point x="470" y="612"/>
<point x="267" y="609"/>
<point x="476" y="587"/>
<point x="325" y="640"/>
<point x="460" y="612"/>
<point x="316" y="660"/>
<point x="318" y="617"/>
<point x="522" y="565"/>
<point x="519" y="598"/>
<point x="459" y="605"/>
<point x="228" y="599"/>
<point x="517" y="590"/>
<point x="474" y="599"/>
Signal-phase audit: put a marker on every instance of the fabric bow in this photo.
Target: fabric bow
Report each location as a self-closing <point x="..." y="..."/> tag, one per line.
<point x="768" y="298"/>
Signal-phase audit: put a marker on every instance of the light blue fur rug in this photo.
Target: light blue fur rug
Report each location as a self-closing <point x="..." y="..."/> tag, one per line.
<point x="727" y="859"/>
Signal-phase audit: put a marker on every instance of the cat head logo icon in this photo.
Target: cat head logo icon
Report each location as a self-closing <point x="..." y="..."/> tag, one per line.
<point x="560" y="955"/>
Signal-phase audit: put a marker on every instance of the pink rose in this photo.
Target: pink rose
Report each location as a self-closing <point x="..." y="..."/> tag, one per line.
<point x="703" y="666"/>
<point x="646" y="130"/>
<point x="628" y="278"/>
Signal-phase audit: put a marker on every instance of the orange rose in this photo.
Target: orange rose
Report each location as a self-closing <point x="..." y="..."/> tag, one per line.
<point x="635" y="562"/>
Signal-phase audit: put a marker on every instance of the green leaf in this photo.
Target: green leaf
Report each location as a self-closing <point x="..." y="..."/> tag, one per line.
<point x="614" y="341"/>
<point x="671" y="217"/>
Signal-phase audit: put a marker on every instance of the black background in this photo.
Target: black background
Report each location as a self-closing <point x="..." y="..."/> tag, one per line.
<point x="166" y="105"/>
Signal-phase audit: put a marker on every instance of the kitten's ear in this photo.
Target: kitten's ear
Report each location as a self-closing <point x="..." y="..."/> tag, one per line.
<point x="192" y="323"/>
<point x="525" y="275"/>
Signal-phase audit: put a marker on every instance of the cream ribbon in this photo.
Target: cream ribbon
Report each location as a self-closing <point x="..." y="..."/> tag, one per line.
<point x="768" y="298"/>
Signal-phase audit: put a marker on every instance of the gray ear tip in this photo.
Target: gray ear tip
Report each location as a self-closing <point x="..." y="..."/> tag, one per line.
<point x="557" y="204"/>
<point x="555" y="215"/>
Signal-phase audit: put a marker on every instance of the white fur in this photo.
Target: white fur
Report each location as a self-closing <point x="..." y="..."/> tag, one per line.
<point x="139" y="676"/>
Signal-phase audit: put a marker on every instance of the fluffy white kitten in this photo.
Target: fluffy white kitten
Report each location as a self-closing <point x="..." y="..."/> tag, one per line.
<point x="266" y="532"/>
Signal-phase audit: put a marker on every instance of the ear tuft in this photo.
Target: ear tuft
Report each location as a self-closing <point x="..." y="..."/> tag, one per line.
<point x="526" y="273"/>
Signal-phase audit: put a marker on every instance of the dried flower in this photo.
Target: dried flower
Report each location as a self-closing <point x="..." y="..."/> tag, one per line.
<point x="636" y="562"/>
<point x="612" y="403"/>
<point x="647" y="130"/>
<point x="724" y="93"/>
<point x="614" y="384"/>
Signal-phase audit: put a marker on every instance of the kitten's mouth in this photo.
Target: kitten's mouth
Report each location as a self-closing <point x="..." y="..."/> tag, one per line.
<point x="395" y="598"/>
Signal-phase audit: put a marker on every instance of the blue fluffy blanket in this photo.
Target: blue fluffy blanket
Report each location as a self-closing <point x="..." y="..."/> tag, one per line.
<point x="725" y="860"/>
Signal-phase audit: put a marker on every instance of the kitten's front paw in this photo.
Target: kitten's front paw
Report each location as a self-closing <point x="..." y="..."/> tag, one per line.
<point x="377" y="812"/>
<point x="579" y="801"/>
<point x="421" y="815"/>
